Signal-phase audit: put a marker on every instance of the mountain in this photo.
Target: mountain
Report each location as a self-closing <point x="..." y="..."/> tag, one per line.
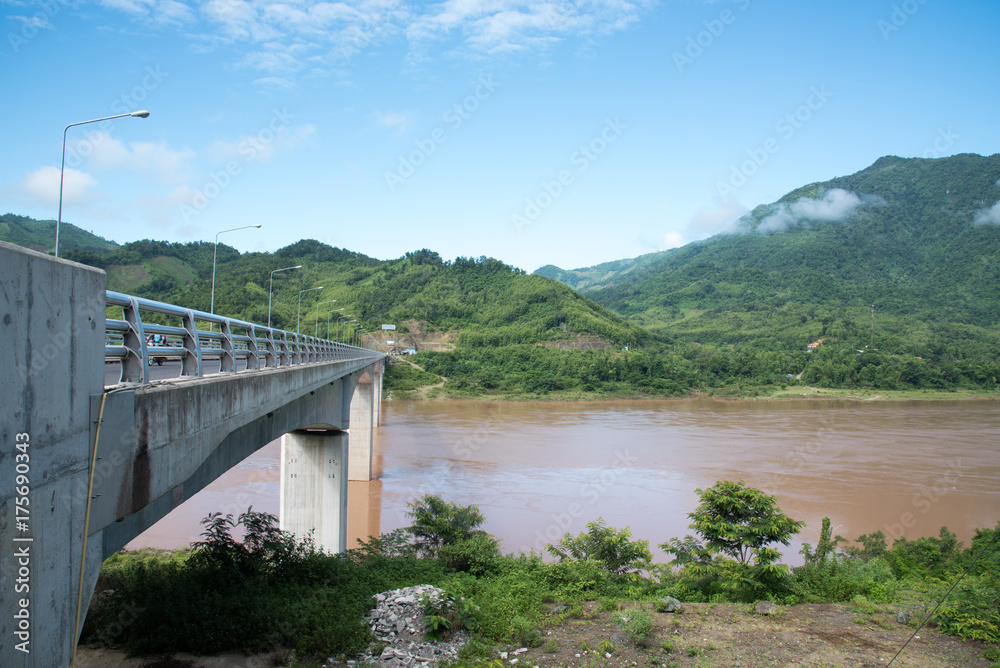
<point x="40" y="235"/>
<point x="918" y="239"/>
<point x="466" y="301"/>
<point x="891" y="275"/>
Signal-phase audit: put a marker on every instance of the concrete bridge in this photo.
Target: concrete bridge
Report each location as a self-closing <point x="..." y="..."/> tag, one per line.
<point x="86" y="467"/>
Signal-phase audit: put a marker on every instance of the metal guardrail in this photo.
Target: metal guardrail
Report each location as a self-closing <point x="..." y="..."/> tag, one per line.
<point x="260" y="346"/>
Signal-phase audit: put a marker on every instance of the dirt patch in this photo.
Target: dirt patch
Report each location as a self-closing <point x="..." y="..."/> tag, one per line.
<point x="732" y="635"/>
<point x="702" y="635"/>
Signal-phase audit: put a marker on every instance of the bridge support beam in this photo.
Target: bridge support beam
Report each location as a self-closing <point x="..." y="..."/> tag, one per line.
<point x="314" y="487"/>
<point x="360" y="428"/>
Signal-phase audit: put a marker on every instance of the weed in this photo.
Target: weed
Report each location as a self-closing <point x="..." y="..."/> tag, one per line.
<point x="608" y="605"/>
<point x="668" y="646"/>
<point x="606" y="647"/>
<point x="551" y="646"/>
<point x="638" y="625"/>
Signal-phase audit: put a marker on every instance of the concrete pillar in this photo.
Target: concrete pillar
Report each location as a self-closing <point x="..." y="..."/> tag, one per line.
<point x="52" y="321"/>
<point x="360" y="429"/>
<point x="378" y="369"/>
<point x="314" y="487"/>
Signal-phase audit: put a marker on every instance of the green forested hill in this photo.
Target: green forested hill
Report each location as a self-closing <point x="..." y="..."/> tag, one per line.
<point x="901" y="235"/>
<point x="918" y="240"/>
<point x="496" y="329"/>
<point x="40" y="235"/>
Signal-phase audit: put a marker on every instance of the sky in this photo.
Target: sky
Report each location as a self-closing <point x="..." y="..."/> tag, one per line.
<point x="566" y="132"/>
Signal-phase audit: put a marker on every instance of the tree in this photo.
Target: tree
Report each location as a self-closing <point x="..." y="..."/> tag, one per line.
<point x="437" y="523"/>
<point x="740" y="522"/>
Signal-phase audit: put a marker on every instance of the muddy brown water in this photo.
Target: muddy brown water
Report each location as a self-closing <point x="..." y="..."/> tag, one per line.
<point x="538" y="470"/>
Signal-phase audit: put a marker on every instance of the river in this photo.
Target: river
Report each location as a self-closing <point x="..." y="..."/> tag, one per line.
<point x="540" y="469"/>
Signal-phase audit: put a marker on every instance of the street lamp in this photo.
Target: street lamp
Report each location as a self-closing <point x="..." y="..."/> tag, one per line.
<point x="62" y="167"/>
<point x="328" y="316"/>
<point x="343" y="317"/>
<point x="316" y="333"/>
<point x="270" y="288"/>
<point x="216" y="255"/>
<point x="298" y="324"/>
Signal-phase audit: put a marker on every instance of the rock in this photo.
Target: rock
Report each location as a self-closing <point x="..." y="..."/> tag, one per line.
<point x="765" y="608"/>
<point x="398" y="621"/>
<point x="903" y="616"/>
<point x="671" y="604"/>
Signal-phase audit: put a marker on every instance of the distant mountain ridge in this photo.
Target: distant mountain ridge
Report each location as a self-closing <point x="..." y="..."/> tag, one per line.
<point x="918" y="238"/>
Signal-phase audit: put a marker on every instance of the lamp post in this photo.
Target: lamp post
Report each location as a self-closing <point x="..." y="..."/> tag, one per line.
<point x="215" y="256"/>
<point x="62" y="167"/>
<point x="298" y="324"/>
<point x="328" y="316"/>
<point x="270" y="288"/>
<point x="316" y="333"/>
<point x="343" y="317"/>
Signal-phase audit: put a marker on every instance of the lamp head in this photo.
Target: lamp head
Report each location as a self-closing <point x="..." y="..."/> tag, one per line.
<point x="140" y="114"/>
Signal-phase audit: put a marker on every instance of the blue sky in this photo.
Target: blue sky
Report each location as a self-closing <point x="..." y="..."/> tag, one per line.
<point x="569" y="132"/>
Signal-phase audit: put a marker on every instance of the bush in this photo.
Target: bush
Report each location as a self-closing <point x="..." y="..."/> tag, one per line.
<point x="972" y="612"/>
<point x="615" y="550"/>
<point x="638" y="625"/>
<point x="265" y="592"/>
<point x="437" y="523"/>
<point x="479" y="555"/>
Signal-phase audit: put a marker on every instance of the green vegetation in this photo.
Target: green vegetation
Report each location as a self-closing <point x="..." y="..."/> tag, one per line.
<point x="614" y="550"/>
<point x="730" y="315"/>
<point x="270" y="591"/>
<point x="40" y="235"/>
<point x="747" y="303"/>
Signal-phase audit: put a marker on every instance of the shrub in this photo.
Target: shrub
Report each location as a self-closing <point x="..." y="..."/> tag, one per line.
<point x="479" y="555"/>
<point x="972" y="612"/>
<point x="638" y="625"/>
<point x="614" y="549"/>
<point x="437" y="523"/>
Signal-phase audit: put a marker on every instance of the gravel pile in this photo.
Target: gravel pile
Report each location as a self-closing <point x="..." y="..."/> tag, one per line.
<point x="398" y="620"/>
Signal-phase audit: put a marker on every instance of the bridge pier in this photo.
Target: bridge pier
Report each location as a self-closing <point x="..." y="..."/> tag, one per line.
<point x="314" y="487"/>
<point x="363" y="408"/>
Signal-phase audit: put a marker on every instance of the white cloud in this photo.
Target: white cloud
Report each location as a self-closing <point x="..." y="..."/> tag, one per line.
<point x="166" y="12"/>
<point x="275" y="83"/>
<point x="261" y="146"/>
<point x="498" y="26"/>
<point x="398" y="121"/>
<point x="834" y="206"/>
<point x="37" y="21"/>
<point x="101" y="151"/>
<point x="990" y="216"/>
<point x="280" y="34"/>
<point x="43" y="185"/>
<point x="672" y="240"/>
<point x="717" y="219"/>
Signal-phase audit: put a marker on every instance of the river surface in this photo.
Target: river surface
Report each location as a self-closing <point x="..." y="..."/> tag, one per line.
<point x="539" y="470"/>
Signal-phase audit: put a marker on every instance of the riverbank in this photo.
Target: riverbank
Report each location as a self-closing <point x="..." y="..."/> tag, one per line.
<point x="700" y="635"/>
<point x="437" y="392"/>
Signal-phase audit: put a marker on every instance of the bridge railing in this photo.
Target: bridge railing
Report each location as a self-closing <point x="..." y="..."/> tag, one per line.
<point x="254" y="346"/>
